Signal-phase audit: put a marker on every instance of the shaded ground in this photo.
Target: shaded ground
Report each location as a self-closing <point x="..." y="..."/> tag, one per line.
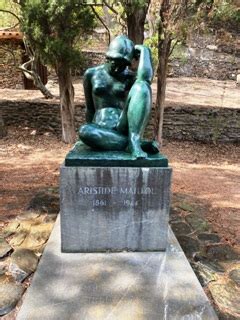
<point x="210" y="173"/>
<point x="206" y="181"/>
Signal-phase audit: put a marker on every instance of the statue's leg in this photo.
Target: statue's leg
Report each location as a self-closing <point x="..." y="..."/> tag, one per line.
<point x="139" y="107"/>
<point x="100" y="138"/>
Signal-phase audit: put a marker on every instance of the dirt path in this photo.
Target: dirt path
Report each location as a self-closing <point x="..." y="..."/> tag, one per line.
<point x="212" y="175"/>
<point x="182" y="91"/>
<point x="29" y="163"/>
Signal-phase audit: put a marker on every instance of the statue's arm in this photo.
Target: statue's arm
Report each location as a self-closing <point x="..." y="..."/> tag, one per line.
<point x="145" y="67"/>
<point x="87" y="86"/>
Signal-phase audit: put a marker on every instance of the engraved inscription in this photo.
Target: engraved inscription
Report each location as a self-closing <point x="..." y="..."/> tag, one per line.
<point x="99" y="203"/>
<point x="146" y="190"/>
<point x="114" y="190"/>
<point x="102" y="197"/>
<point x="97" y="190"/>
<point x="130" y="203"/>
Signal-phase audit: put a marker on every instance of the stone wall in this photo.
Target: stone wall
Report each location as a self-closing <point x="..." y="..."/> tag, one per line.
<point x="10" y="76"/>
<point x="181" y="123"/>
<point x="44" y="117"/>
<point x="202" y="124"/>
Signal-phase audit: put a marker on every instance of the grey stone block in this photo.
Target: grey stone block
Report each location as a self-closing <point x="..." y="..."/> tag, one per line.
<point x="114" y="209"/>
<point x="115" y="286"/>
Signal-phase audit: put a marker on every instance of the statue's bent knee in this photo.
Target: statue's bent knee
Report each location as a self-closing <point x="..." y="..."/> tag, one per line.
<point x="85" y="131"/>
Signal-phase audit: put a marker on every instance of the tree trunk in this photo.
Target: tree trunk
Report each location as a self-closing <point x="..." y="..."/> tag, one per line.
<point x="3" y="129"/>
<point x="151" y="17"/>
<point x="163" y="53"/>
<point x="67" y="104"/>
<point x="135" y="22"/>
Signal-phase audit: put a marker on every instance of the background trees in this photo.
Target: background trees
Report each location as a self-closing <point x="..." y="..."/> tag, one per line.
<point x="177" y="19"/>
<point x="136" y="12"/>
<point x="52" y="28"/>
<point x="131" y="16"/>
<point x="172" y="15"/>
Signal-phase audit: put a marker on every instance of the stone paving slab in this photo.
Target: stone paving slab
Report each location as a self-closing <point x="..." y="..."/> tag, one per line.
<point x="115" y="286"/>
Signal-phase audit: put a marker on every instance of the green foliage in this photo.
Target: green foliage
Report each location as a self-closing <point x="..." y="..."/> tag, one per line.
<point x="225" y="12"/>
<point x="215" y="14"/>
<point x="124" y="6"/>
<point x="99" y="10"/>
<point x="152" y="43"/>
<point x="134" y="4"/>
<point x="53" y="26"/>
<point x="179" y="52"/>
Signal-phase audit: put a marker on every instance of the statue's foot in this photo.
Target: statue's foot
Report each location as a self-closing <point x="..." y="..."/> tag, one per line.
<point x="136" y="151"/>
<point x="135" y="147"/>
<point x="139" y="154"/>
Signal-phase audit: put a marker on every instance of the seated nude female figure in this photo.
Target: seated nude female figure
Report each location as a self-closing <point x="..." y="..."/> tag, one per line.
<point x="118" y="104"/>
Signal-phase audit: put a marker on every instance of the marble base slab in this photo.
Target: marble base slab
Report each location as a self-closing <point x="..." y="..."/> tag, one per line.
<point x="115" y="286"/>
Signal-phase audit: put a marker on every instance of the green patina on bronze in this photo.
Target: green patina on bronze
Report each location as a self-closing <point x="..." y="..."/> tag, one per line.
<point x="118" y="106"/>
<point x="84" y="156"/>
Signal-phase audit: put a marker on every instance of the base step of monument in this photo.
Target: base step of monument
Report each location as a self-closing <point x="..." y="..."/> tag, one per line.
<point x="115" y="286"/>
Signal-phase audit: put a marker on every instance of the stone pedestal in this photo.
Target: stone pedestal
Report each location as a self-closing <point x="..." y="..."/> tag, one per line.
<point x="114" y="208"/>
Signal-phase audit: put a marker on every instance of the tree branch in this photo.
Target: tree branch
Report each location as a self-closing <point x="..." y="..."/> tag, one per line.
<point x="10" y="12"/>
<point x="9" y="28"/>
<point x="103" y="23"/>
<point x="28" y="48"/>
<point x="110" y="7"/>
<point x="115" y="12"/>
<point x="32" y="74"/>
<point x="173" y="46"/>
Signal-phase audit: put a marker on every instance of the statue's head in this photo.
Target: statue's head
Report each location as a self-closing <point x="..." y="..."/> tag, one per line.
<point x="121" y="48"/>
<point x="120" y="54"/>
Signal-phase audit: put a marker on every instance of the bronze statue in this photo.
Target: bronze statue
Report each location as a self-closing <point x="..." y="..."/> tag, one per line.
<point x="118" y="102"/>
